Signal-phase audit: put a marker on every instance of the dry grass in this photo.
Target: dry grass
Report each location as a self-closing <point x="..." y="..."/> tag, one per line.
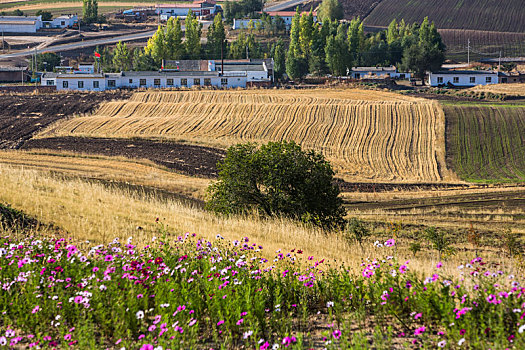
<point x="91" y="211"/>
<point x="121" y="170"/>
<point x="367" y="135"/>
<point x="508" y="89"/>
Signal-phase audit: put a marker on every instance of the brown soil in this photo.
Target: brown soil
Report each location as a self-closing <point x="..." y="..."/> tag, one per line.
<point x="22" y="115"/>
<point x="188" y="159"/>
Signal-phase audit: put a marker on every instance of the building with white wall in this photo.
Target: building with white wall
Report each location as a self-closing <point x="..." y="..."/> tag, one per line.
<point x="133" y="80"/>
<point x="463" y="78"/>
<point x="287" y="16"/>
<point x="378" y="72"/>
<point x="198" y="8"/>
<point x="20" y="24"/>
<point x="63" y="21"/>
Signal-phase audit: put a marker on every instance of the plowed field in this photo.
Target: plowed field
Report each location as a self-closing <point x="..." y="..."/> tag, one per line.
<point x="367" y="135"/>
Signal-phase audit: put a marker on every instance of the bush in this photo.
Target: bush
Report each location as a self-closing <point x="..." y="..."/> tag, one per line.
<point x="355" y="229"/>
<point x="277" y="179"/>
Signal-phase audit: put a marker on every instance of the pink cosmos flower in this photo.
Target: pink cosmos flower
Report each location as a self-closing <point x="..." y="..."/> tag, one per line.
<point x="78" y="299"/>
<point x="36" y="309"/>
<point x="336" y="334"/>
<point x="146" y="347"/>
<point x="439" y="264"/>
<point x="108" y="257"/>
<point x="420" y="330"/>
<point x="220" y="322"/>
<point x="240" y="321"/>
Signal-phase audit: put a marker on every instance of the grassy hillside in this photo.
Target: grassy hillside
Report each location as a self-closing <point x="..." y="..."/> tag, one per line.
<point x="486" y="143"/>
<point x="491" y="15"/>
<point x="367" y="135"/>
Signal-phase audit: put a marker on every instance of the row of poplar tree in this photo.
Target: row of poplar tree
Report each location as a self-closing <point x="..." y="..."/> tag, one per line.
<point x="332" y="48"/>
<point x="336" y="47"/>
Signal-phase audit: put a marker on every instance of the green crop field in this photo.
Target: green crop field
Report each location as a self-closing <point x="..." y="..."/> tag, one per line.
<point x="486" y="143"/>
<point x="490" y="15"/>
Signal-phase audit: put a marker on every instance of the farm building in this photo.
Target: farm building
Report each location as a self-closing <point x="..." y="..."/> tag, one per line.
<point x="287" y="16"/>
<point x="511" y="77"/>
<point x="64" y="21"/>
<point x="199" y="8"/>
<point x="20" y="24"/>
<point x="463" y="78"/>
<point x="244" y="23"/>
<point x="128" y="80"/>
<point x="378" y="72"/>
<point x="13" y="74"/>
<point x="256" y="70"/>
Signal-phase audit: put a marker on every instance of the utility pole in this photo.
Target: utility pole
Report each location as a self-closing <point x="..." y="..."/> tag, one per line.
<point x="247" y="56"/>
<point x="468" y="52"/>
<point x="499" y="62"/>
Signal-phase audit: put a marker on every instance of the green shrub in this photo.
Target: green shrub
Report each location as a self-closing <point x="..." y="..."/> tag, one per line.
<point x="277" y="179"/>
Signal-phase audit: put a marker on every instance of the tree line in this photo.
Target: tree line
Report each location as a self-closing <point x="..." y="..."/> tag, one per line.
<point x="332" y="48"/>
<point x="336" y="47"/>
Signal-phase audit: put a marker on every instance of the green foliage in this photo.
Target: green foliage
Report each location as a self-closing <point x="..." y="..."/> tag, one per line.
<point x="173" y="39"/>
<point x="156" y="46"/>
<point x="193" y="36"/>
<point x="47" y="61"/>
<point x="90" y="11"/>
<point x="330" y="10"/>
<point x="141" y="61"/>
<point x="216" y="38"/>
<point x="122" y="57"/>
<point x="18" y="12"/>
<point x="278" y="53"/>
<point x="277" y="179"/>
<point x="356" y="230"/>
<point x="337" y="57"/>
<point x="46" y="15"/>
<point x="243" y="46"/>
<point x="440" y="242"/>
<point x="242" y="8"/>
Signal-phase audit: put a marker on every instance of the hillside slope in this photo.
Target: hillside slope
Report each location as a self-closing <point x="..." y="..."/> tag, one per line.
<point x="489" y="15"/>
<point x="367" y="135"/>
<point x="486" y="143"/>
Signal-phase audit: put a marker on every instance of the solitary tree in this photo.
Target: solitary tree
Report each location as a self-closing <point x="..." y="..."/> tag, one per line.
<point x="277" y="179"/>
<point x="46" y="15"/>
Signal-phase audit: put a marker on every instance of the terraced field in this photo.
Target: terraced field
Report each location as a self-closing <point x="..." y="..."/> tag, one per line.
<point x="490" y="15"/>
<point x="486" y="143"/>
<point x="367" y="135"/>
<point x="507" y="89"/>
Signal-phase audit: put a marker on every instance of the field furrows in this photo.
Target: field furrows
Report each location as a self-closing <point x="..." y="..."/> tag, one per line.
<point x="365" y="140"/>
<point x="487" y="143"/>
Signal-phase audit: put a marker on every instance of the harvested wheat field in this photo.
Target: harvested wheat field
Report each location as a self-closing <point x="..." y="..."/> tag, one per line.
<point x="367" y="135"/>
<point x="507" y="89"/>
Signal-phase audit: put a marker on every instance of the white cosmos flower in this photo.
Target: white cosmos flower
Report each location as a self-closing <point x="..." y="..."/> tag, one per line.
<point x="461" y="341"/>
<point x="521" y="329"/>
<point x="139" y="315"/>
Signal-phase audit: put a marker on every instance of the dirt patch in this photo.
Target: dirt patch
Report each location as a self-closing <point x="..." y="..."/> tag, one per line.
<point x="22" y="115"/>
<point x="188" y="159"/>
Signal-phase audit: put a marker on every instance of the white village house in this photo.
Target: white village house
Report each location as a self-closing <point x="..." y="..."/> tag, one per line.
<point x="20" y="24"/>
<point x="378" y="72"/>
<point x="198" y="8"/>
<point x="86" y="79"/>
<point x="32" y="24"/>
<point x="463" y="78"/>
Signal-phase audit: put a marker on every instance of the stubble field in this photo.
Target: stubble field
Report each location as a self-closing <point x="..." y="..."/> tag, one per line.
<point x="367" y="135"/>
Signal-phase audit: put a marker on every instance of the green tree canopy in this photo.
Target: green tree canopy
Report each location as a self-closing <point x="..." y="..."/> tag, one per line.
<point x="216" y="38"/>
<point x="46" y="15"/>
<point x="193" y="36"/>
<point x="278" y="178"/>
<point x="330" y="10"/>
<point x="122" y="57"/>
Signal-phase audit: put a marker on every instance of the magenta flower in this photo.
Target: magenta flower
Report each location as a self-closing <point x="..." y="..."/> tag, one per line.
<point x="420" y="330"/>
<point x="36" y="309"/>
<point x="146" y="347"/>
<point x="439" y="264"/>
<point x="336" y="334"/>
<point x="390" y="243"/>
<point x="78" y="299"/>
<point x="67" y="337"/>
<point x="240" y="321"/>
<point x="220" y="322"/>
<point x="108" y="257"/>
